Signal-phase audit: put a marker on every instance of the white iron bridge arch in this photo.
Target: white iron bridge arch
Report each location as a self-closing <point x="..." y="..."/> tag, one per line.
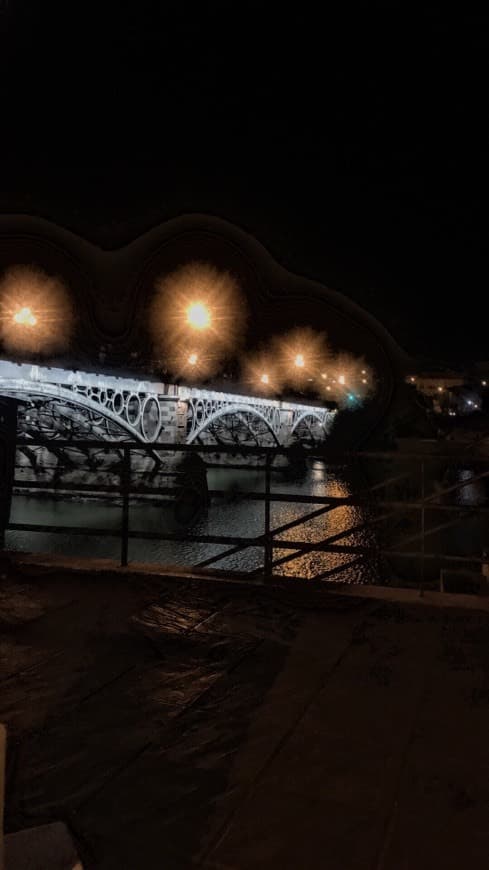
<point x="63" y="403"/>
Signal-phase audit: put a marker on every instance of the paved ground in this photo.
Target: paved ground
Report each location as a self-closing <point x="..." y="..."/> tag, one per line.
<point x="187" y="725"/>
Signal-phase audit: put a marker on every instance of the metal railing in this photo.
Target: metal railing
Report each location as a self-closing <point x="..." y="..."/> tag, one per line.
<point x="413" y="491"/>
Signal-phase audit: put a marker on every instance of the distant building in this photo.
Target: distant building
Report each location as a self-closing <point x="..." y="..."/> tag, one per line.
<point x="448" y="390"/>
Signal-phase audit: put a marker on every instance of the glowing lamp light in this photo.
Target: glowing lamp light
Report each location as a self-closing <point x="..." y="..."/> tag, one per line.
<point x="265" y="378"/>
<point x="198" y="315"/>
<point x="364" y="380"/>
<point x="328" y="388"/>
<point x="364" y="371"/>
<point x="299" y="361"/>
<point x="440" y="389"/>
<point x="484" y="383"/>
<point x="193" y="359"/>
<point x="351" y="397"/>
<point x="341" y="379"/>
<point x="324" y="376"/>
<point x="25" y="317"/>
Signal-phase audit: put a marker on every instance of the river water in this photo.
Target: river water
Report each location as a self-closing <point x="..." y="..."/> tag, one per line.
<point x="227" y="515"/>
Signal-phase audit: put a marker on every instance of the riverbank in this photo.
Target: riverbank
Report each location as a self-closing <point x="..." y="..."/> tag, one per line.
<point x="182" y="723"/>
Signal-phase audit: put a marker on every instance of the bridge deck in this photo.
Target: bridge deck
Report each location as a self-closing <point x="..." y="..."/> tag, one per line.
<point x="149" y="411"/>
<point x="178" y="725"/>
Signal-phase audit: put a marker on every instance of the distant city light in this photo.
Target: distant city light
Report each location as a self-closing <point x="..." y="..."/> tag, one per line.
<point x="412" y="380"/>
<point x="364" y="372"/>
<point x="198" y="315"/>
<point x="351" y="397"/>
<point x="470" y="402"/>
<point x="484" y="383"/>
<point x="440" y="389"/>
<point x="328" y="389"/>
<point x="265" y="378"/>
<point x="299" y="361"/>
<point x="193" y="359"/>
<point x="341" y="379"/>
<point x="364" y="380"/>
<point x="324" y="376"/>
<point x="25" y="317"/>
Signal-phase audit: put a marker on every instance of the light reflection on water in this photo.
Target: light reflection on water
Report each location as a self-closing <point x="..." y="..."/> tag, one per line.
<point x="226" y="516"/>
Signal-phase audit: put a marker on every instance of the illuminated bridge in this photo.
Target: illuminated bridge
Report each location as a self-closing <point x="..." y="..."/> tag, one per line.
<point x="60" y="404"/>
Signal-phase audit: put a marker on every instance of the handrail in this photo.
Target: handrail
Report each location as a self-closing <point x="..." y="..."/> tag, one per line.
<point x="126" y="488"/>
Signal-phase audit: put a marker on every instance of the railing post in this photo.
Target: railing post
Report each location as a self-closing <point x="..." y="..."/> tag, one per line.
<point x="268" y="539"/>
<point x="3" y="753"/>
<point x="125" y="486"/>
<point x="423" y="496"/>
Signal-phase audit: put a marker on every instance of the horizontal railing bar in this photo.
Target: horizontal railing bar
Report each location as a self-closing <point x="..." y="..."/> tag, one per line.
<point x="249" y="542"/>
<point x="72" y="530"/>
<point x="417" y="505"/>
<point x="255" y="496"/>
<point x="437" y="557"/>
<point x="143" y="535"/>
<point x="74" y="487"/>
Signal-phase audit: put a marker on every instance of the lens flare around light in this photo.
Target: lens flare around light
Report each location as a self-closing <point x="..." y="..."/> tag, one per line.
<point x="36" y="314"/>
<point x="302" y="357"/>
<point x="351" y="382"/>
<point x="201" y="306"/>
<point x="259" y="373"/>
<point x="190" y="364"/>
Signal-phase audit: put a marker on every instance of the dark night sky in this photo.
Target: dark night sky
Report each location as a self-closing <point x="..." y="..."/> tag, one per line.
<point x="353" y="148"/>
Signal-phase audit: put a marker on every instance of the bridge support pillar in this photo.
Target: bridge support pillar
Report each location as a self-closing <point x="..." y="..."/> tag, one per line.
<point x="285" y="433"/>
<point x="173" y="421"/>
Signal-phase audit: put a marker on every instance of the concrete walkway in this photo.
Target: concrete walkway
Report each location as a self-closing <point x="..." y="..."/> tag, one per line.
<point x="187" y="724"/>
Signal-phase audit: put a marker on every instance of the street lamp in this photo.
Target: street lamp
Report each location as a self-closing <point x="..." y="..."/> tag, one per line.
<point x="198" y="315"/>
<point x="25" y="317"/>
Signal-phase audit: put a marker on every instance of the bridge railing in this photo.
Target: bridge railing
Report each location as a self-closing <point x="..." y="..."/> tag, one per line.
<point x="398" y="517"/>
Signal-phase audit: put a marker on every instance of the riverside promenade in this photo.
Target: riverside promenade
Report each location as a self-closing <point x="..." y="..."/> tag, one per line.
<point x="181" y="723"/>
